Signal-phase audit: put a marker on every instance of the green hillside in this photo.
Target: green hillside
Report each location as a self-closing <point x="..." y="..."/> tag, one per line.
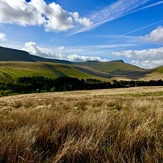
<point x="115" y="69"/>
<point x="17" y="63"/>
<point x="158" y="69"/>
<point x="111" y="67"/>
<point x="14" y="70"/>
<point x="10" y="71"/>
<point x="154" y="74"/>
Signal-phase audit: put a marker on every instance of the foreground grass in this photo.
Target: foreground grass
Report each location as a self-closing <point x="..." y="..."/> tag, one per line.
<point x="111" y="126"/>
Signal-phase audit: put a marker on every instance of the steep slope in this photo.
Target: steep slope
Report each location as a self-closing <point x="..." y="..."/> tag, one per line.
<point x="158" y="69"/>
<point x="12" y="67"/>
<point x="40" y="59"/>
<point x="10" y="71"/>
<point x="154" y="74"/>
<point x="113" y="69"/>
<point x="7" y="54"/>
<point x="111" y="66"/>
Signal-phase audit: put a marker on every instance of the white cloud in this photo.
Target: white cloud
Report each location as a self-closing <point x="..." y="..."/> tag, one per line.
<point x="138" y="29"/>
<point x="3" y="37"/>
<point x="54" y="18"/>
<point x="148" y="64"/>
<point x="61" y="48"/>
<point x="58" y="19"/>
<point x="19" y="12"/>
<point x="147" y="58"/>
<point x="37" y="12"/>
<point x="111" y="12"/>
<point x="155" y="36"/>
<point x="34" y="49"/>
<point x="117" y="9"/>
<point x="78" y="58"/>
<point x="83" y="21"/>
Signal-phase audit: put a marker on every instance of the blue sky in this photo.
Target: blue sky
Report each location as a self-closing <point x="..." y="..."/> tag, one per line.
<point x="81" y="30"/>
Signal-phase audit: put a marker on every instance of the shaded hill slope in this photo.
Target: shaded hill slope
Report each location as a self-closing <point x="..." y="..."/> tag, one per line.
<point x="13" y="70"/>
<point x="154" y="74"/>
<point x="17" y="63"/>
<point x="110" y="66"/>
<point x="113" y="69"/>
<point x="158" y="69"/>
<point x="7" y="54"/>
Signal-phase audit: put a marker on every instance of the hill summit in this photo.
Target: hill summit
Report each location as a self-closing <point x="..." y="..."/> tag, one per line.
<point x="7" y="54"/>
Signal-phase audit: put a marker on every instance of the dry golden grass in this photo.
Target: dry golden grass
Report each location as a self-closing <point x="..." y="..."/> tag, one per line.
<point x="152" y="76"/>
<point x="107" y="126"/>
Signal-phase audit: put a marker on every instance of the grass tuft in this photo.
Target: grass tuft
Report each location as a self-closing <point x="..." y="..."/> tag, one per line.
<point x="90" y="126"/>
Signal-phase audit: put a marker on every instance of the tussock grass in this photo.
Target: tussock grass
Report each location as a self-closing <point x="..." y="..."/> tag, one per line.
<point x="86" y="126"/>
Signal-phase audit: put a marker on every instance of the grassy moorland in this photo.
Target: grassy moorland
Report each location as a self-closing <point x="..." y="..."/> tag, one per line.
<point x="154" y="74"/>
<point x="13" y="70"/>
<point x="107" y="126"/>
<point x="16" y="63"/>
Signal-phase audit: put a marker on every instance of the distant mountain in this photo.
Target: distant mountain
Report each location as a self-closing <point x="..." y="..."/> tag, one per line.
<point x="114" y="69"/>
<point x="30" y="65"/>
<point x="7" y="54"/>
<point x="41" y="59"/>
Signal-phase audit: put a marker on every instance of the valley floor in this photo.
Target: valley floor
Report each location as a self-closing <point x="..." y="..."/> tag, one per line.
<point x="109" y="126"/>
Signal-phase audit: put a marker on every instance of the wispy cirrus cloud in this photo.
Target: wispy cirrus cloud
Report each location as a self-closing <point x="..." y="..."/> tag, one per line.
<point x="138" y="29"/>
<point x="111" y="12"/>
<point x="148" y="6"/>
<point x="116" y="10"/>
<point x="54" y="18"/>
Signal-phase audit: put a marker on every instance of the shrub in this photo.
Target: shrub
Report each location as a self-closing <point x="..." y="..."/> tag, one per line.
<point x="53" y="89"/>
<point x="1" y="93"/>
<point x="7" y="92"/>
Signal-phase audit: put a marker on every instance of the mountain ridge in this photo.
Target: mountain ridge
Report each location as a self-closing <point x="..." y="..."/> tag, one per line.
<point x="31" y="65"/>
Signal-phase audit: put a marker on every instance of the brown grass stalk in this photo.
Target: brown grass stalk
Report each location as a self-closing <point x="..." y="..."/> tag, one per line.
<point x="83" y="127"/>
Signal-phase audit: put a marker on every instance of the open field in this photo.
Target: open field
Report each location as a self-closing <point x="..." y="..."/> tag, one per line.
<point x="108" y="126"/>
<point x="10" y="71"/>
<point x="14" y="70"/>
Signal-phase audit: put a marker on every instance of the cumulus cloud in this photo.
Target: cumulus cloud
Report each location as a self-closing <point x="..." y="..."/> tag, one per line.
<point x="52" y="16"/>
<point x="83" y="21"/>
<point x="3" y="37"/>
<point x="20" y="12"/>
<point x="34" y="49"/>
<point x="78" y="58"/>
<point x="58" y="19"/>
<point x="147" y="58"/>
<point x="155" y="36"/>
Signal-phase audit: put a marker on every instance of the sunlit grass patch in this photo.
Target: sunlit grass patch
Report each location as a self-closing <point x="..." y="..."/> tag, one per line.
<point x="86" y="126"/>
